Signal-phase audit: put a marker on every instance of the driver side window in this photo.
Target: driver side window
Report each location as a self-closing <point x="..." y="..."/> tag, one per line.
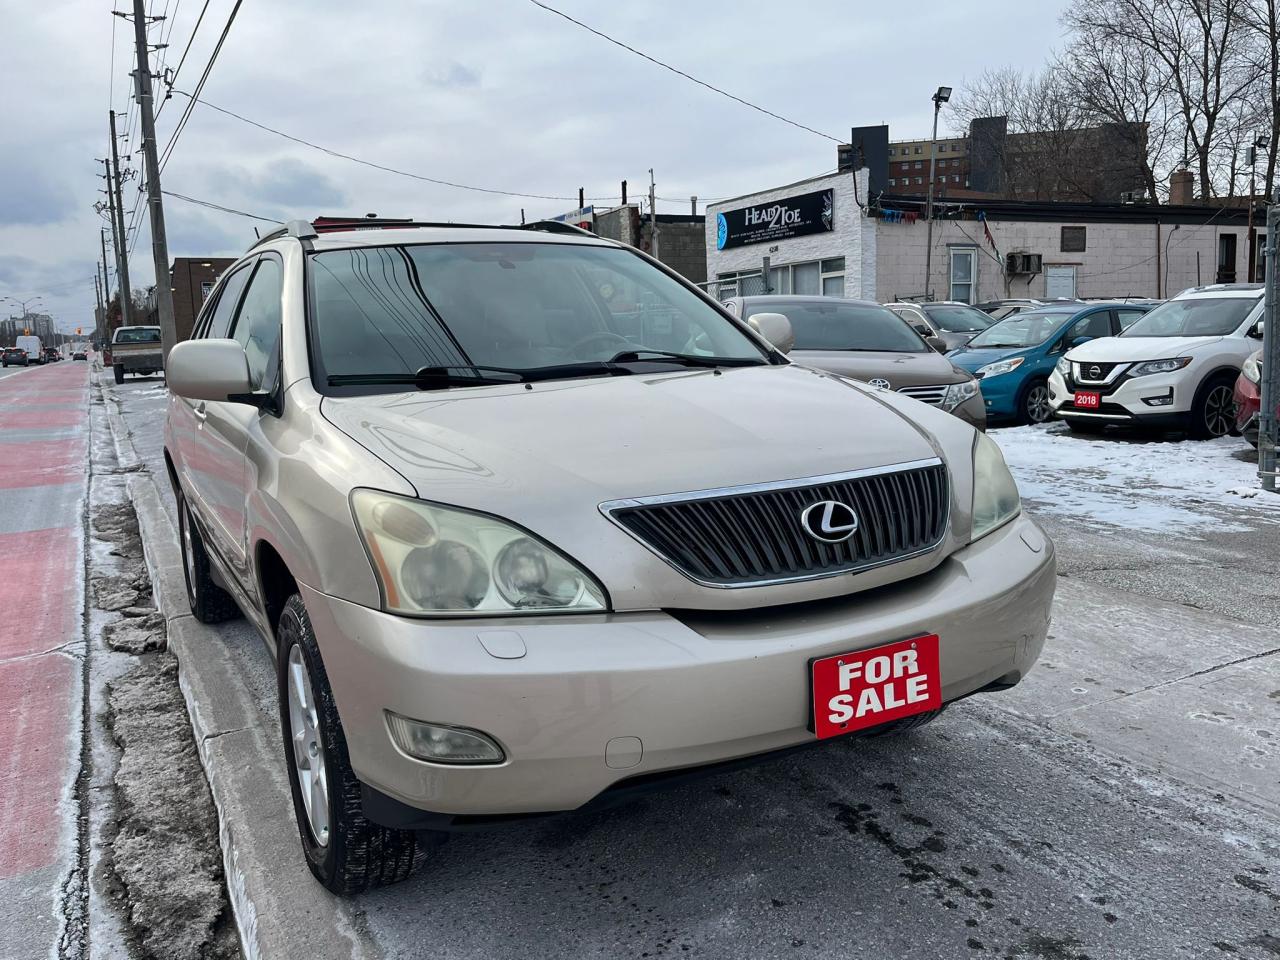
<point x="1093" y="326"/>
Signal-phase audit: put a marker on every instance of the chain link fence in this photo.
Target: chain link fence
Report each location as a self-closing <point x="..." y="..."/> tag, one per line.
<point x="741" y="285"/>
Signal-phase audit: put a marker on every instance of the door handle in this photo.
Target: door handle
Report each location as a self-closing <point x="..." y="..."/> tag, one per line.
<point x="199" y="412"/>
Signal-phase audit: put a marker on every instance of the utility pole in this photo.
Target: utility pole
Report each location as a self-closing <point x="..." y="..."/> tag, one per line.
<point x="122" y="252"/>
<point x="939" y="98"/>
<point x="159" y="243"/>
<point x="1268" y="424"/>
<point x="653" y="216"/>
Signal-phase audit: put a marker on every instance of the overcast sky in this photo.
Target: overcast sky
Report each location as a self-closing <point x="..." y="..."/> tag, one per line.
<point x="492" y="93"/>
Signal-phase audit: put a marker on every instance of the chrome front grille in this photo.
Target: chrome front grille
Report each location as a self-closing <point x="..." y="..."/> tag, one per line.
<point x="750" y="536"/>
<point x="933" y="394"/>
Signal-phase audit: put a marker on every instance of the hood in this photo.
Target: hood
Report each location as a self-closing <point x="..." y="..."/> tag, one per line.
<point x="972" y="359"/>
<point x="547" y="457"/>
<point x="511" y="451"/>
<point x="1127" y="349"/>
<point x="900" y="369"/>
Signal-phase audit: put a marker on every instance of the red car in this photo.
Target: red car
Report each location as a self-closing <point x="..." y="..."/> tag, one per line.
<point x="1248" y="397"/>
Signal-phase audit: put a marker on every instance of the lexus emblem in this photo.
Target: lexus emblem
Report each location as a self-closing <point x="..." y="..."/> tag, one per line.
<point x="829" y="521"/>
<point x="879" y="383"/>
<point x="1095" y="372"/>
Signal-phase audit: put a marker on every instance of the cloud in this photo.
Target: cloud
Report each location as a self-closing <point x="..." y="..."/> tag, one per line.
<point x="28" y="196"/>
<point x="451" y="74"/>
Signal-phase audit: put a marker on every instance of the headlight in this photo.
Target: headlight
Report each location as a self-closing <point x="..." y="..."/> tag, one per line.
<point x="1062" y="367"/>
<point x="995" y="495"/>
<point x="1000" y="366"/>
<point x="1159" y="366"/>
<point x="431" y="559"/>
<point x="958" y="393"/>
<point x="1252" y="368"/>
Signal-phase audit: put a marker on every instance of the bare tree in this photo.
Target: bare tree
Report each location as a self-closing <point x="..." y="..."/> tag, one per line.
<point x="1262" y="24"/>
<point x="1202" y="49"/>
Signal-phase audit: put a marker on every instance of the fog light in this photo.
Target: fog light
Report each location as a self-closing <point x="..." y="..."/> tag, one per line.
<point x="1162" y="400"/>
<point x="438" y="743"/>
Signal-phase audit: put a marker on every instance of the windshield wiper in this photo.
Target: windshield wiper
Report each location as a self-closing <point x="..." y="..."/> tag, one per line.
<point x="683" y="359"/>
<point x="438" y="378"/>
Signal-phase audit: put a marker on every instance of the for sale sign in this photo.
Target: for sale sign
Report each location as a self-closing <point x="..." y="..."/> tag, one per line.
<point x="852" y="691"/>
<point x="776" y="220"/>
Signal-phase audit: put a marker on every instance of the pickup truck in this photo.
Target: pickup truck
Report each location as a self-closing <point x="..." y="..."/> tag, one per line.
<point x="135" y="350"/>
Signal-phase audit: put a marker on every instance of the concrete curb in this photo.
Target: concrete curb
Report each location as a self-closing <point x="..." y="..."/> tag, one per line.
<point x="280" y="910"/>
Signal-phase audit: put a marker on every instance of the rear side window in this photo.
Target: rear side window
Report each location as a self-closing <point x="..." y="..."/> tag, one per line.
<point x="1128" y="317"/>
<point x="138" y="335"/>
<point x="257" y="327"/>
<point x="225" y="308"/>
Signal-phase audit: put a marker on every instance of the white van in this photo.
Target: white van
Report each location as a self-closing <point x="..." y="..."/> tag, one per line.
<point x="34" y="348"/>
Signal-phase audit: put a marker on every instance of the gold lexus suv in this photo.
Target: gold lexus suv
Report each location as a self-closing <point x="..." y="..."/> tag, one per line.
<point x="529" y="522"/>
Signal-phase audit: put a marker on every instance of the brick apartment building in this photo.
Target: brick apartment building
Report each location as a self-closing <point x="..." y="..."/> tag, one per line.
<point x="192" y="280"/>
<point x="1102" y="164"/>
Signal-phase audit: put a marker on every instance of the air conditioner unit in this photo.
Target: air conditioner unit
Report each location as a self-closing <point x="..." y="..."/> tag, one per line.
<point x="1024" y="263"/>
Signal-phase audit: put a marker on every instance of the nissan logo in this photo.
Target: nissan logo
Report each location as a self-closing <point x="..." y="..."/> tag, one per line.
<point x="1095" y="372"/>
<point x="829" y="521"/>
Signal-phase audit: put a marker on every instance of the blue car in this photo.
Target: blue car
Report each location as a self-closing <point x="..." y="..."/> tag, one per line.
<point x="1013" y="358"/>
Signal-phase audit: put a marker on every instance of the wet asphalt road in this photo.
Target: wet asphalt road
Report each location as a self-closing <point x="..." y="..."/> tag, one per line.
<point x="1123" y="802"/>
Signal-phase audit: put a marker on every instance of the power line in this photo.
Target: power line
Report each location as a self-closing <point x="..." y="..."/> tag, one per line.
<point x="187" y="49"/>
<point x="218" y="206"/>
<point x="679" y="72"/>
<point x="208" y="67"/>
<point x="386" y="169"/>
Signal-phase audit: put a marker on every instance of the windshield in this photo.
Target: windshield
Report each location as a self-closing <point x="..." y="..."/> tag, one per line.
<point x="505" y="306"/>
<point x="955" y="318"/>
<point x="831" y="324"/>
<point x="1028" y="329"/>
<point x="138" y="335"/>
<point x="1198" y="317"/>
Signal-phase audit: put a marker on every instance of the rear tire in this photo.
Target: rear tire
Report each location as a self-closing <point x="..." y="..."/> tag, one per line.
<point x="1034" y="407"/>
<point x="209" y="602"/>
<point x="118" y="370"/>
<point x="1213" y="414"/>
<point x="344" y="850"/>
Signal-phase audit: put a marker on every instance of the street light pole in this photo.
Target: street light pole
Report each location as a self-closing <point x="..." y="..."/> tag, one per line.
<point x="939" y="98"/>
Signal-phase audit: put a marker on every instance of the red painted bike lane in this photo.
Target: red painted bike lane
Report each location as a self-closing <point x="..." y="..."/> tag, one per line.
<point x="44" y="456"/>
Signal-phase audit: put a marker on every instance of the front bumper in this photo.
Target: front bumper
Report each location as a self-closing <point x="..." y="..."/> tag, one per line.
<point x="1248" y="406"/>
<point x="1160" y="400"/>
<point x="676" y="690"/>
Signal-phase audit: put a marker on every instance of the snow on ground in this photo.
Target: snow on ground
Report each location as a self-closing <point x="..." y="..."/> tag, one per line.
<point x="1171" y="487"/>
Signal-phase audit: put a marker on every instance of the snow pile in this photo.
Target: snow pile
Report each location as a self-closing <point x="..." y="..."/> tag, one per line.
<point x="1138" y="483"/>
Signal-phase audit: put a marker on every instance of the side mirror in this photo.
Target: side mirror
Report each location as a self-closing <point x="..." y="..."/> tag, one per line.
<point x="208" y="370"/>
<point x="923" y="329"/>
<point x="774" y="327"/>
<point x="1256" y="331"/>
<point x="1076" y="341"/>
<point x="937" y="343"/>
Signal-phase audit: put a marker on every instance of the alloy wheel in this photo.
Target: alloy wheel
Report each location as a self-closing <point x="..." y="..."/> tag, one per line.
<point x="1219" y="411"/>
<point x="1038" y="408"/>
<point x="308" y="750"/>
<point x="188" y="554"/>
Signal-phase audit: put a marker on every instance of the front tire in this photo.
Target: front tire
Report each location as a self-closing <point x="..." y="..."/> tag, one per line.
<point x="1213" y="414"/>
<point x="209" y="602"/>
<point x="344" y="850"/>
<point x="1035" y="407"/>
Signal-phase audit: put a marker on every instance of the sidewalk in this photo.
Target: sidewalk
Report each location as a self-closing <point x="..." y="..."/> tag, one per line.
<point x="43" y="452"/>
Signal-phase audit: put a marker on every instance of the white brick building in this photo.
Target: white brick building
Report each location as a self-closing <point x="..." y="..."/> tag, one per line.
<point x="877" y="252"/>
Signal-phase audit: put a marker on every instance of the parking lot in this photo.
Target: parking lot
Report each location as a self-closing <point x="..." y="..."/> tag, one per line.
<point x="1121" y="802"/>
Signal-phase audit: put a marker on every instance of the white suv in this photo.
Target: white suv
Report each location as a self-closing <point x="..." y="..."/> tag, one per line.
<point x="1173" y="369"/>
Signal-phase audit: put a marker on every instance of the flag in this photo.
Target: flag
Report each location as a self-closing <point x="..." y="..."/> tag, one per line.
<point x="986" y="232"/>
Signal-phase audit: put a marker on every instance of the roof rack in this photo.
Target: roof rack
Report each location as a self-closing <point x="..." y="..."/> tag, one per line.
<point x="309" y="231"/>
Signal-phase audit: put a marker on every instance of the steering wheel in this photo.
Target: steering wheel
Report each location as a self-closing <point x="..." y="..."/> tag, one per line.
<point x="603" y="337"/>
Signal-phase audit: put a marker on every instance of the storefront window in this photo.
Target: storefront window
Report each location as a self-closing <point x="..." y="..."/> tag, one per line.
<point x="806" y="279"/>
